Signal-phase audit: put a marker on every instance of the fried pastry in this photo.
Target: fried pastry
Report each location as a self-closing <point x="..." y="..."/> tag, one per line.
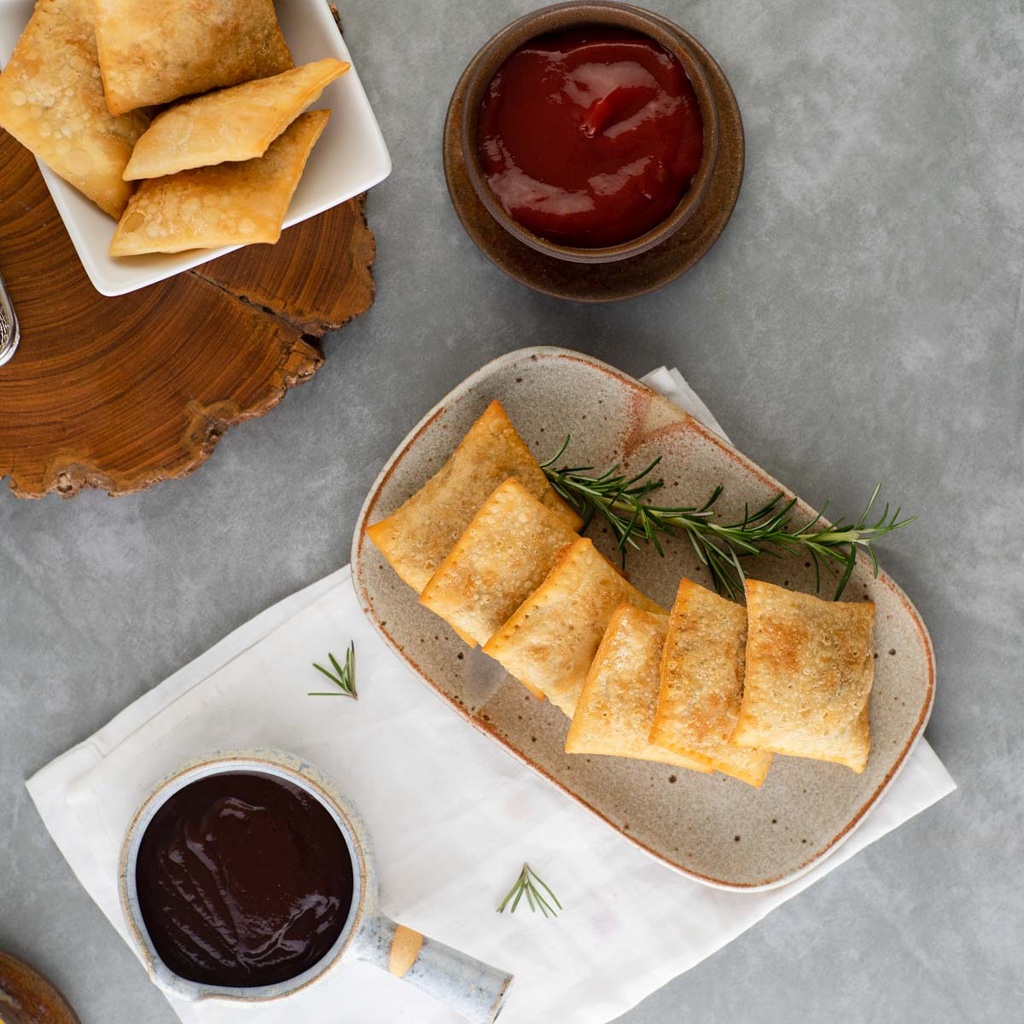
<point x="233" y="124"/>
<point x="810" y="665"/>
<point x="615" y="710"/>
<point x="156" y="51"/>
<point x="416" y="538"/>
<point x="702" y="683"/>
<point x="502" y="557"/>
<point x="553" y="636"/>
<point x="230" y="204"/>
<point x="51" y="101"/>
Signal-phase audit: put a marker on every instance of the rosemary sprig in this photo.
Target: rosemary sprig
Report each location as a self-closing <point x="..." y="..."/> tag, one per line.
<point x="534" y="897"/>
<point x="344" y="676"/>
<point x="621" y="501"/>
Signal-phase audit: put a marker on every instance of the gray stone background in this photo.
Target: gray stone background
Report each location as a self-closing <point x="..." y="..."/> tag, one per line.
<point x="859" y="320"/>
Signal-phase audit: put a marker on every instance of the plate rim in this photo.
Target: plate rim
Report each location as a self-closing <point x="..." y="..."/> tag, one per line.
<point x="360" y="539"/>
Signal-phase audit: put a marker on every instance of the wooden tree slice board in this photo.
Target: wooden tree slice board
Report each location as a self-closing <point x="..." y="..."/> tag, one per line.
<point x="26" y="997"/>
<point x="121" y="392"/>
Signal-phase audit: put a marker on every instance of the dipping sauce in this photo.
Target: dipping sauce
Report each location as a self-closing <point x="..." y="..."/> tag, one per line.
<point x="243" y="880"/>
<point x="591" y="136"/>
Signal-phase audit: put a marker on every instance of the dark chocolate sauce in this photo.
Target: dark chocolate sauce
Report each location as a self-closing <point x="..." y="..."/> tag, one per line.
<point x="243" y="880"/>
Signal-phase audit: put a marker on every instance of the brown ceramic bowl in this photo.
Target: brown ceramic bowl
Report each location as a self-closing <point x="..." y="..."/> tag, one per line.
<point x="490" y="58"/>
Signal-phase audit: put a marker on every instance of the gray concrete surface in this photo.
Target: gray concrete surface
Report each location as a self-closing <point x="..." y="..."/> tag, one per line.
<point x="860" y="320"/>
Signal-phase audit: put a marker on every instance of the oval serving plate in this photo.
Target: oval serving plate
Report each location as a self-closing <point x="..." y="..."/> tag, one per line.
<point x="710" y="827"/>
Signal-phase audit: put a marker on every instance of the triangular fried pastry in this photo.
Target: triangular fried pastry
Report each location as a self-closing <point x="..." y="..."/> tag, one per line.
<point x="417" y="537"/>
<point x="233" y="124"/>
<point x="504" y="554"/>
<point x="702" y="683"/>
<point x="810" y="666"/>
<point x="615" y="711"/>
<point x="553" y="636"/>
<point x="51" y="101"/>
<point x="230" y="204"/>
<point x="156" y="51"/>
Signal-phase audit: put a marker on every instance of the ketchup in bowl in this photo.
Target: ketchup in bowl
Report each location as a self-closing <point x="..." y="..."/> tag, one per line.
<point x="590" y="137"/>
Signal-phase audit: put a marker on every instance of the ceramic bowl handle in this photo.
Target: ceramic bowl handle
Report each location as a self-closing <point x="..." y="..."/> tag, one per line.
<point x="471" y="988"/>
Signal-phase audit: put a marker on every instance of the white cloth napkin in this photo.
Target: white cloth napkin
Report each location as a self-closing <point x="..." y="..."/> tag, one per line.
<point x="450" y="814"/>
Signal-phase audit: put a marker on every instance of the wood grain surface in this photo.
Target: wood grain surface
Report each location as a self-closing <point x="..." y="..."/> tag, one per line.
<point x="122" y="392"/>
<point x="26" y="997"/>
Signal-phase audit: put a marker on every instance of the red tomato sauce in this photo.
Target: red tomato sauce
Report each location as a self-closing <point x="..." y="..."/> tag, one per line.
<point x="590" y="137"/>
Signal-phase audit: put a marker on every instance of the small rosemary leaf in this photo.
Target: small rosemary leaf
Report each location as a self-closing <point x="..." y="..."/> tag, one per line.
<point x="504" y="902"/>
<point x="742" y="544"/>
<point x="814" y="522"/>
<point x="558" y="454"/>
<point x="350" y="668"/>
<point x="345" y="679"/>
<point x="817" y="569"/>
<point x="851" y="561"/>
<point x="329" y="675"/>
<point x="547" y="889"/>
<point x="515" y="902"/>
<point x="872" y="499"/>
<point x="524" y="885"/>
<point x="882" y="518"/>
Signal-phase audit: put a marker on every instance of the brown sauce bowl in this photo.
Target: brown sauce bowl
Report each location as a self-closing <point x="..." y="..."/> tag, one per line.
<point x="500" y="47"/>
<point x="473" y="989"/>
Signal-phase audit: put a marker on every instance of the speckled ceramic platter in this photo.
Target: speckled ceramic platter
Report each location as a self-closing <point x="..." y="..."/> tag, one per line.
<point x="711" y="827"/>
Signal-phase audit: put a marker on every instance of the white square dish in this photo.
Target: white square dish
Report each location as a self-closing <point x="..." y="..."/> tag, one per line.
<point x="349" y="158"/>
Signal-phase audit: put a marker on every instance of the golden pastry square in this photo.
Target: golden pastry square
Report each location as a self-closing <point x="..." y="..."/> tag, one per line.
<point x="230" y="204"/>
<point x="810" y="665"/>
<point x="417" y="537"/>
<point x="51" y="101"/>
<point x="504" y="554"/>
<point x="615" y="711"/>
<point x="156" y="51"/>
<point x="233" y="124"/>
<point x="553" y="636"/>
<point x="702" y="683"/>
